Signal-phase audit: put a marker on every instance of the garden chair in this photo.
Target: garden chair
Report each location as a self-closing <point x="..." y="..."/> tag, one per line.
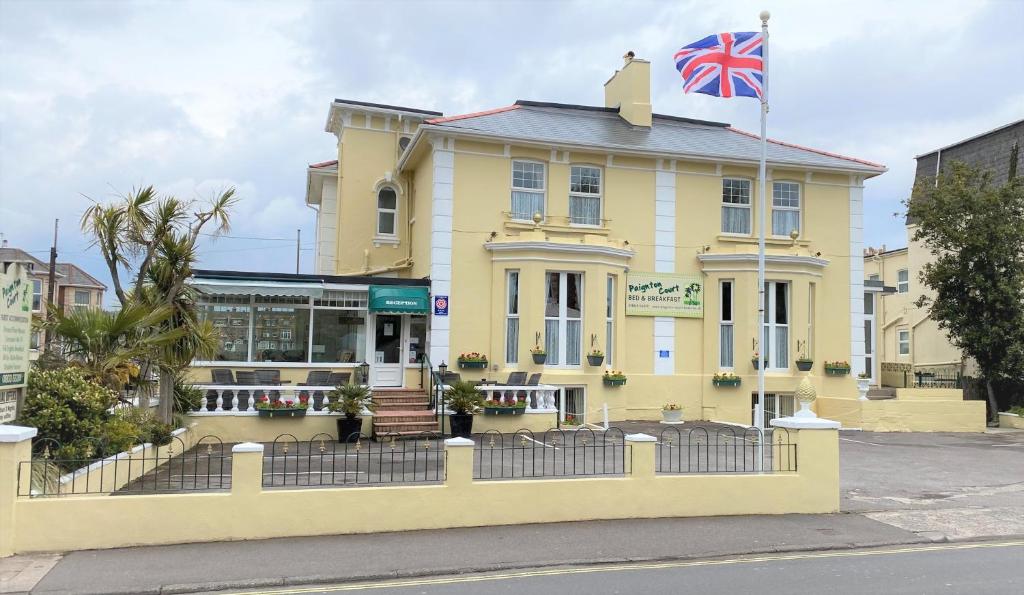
<point x="316" y="378"/>
<point x="339" y="378"/>
<point x="533" y="381"/>
<point x="270" y="377"/>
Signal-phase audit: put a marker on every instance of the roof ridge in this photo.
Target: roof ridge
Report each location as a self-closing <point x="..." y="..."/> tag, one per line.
<point x="811" y="149"/>
<point x="497" y="110"/>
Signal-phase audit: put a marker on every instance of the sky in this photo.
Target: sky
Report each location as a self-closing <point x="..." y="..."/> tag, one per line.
<point x="98" y="98"/>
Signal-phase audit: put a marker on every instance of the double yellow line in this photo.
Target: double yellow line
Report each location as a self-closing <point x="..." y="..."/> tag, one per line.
<point x="420" y="582"/>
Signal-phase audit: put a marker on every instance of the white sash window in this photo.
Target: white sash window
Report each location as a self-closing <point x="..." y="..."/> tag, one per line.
<point x="785" y="208"/>
<point x="775" y="339"/>
<point x="563" y="318"/>
<point x="512" y="319"/>
<point x="736" y="206"/>
<point x="726" y="343"/>
<point x="585" y="195"/>
<point x="527" y="190"/>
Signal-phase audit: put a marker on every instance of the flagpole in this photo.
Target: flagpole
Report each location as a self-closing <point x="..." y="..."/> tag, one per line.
<point x="762" y="210"/>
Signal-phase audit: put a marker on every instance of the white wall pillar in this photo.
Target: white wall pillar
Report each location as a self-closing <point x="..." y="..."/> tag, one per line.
<point x="665" y="259"/>
<point x="857" y="274"/>
<point x="441" y="245"/>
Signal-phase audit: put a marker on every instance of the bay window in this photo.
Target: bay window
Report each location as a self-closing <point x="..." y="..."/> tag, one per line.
<point x="785" y="208"/>
<point x="512" y="319"/>
<point x="736" y="206"/>
<point x="563" y="318"/>
<point x="775" y="339"/>
<point x="585" y="195"/>
<point x="726" y="340"/>
<point x="527" y="189"/>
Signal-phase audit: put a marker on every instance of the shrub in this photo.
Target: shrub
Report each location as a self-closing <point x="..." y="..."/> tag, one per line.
<point x="462" y="397"/>
<point x="67" y="408"/>
<point x="186" y="397"/>
<point x="350" y="399"/>
<point x="146" y="426"/>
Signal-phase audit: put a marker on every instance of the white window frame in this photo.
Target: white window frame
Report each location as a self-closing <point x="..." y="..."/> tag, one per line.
<point x="903" y="340"/>
<point x="903" y="286"/>
<point x="609" y="340"/>
<point x="563" y="319"/>
<point x="393" y="212"/>
<point x="873" y="277"/>
<point x="88" y="298"/>
<point x="811" y="298"/>
<point x="588" y="195"/>
<point x="510" y="315"/>
<point x="798" y="208"/>
<point x="724" y="323"/>
<point x="542" y="191"/>
<point x="749" y="206"/>
<point x="771" y="326"/>
<point x="37" y="283"/>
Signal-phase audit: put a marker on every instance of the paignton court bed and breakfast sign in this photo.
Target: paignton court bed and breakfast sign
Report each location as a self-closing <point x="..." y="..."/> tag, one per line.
<point x="664" y="294"/>
<point x="15" y="327"/>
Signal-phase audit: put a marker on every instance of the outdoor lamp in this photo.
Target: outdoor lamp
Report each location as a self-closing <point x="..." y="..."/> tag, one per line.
<point x="364" y="371"/>
<point x="441" y="369"/>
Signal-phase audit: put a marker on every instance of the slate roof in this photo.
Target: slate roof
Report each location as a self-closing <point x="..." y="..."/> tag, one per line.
<point x="602" y="127"/>
<point x="17" y="254"/>
<point x="77" y="277"/>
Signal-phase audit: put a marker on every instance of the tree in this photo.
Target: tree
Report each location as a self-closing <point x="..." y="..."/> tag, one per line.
<point x="975" y="233"/>
<point x="153" y="239"/>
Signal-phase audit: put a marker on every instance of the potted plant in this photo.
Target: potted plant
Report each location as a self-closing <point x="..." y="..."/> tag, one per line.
<point x="725" y="379"/>
<point x="614" y="378"/>
<point x="595" y="357"/>
<point x="463" y="399"/>
<point x="350" y="400"/>
<point x="281" y="408"/>
<point x="571" y="422"/>
<point x="498" y="407"/>
<point x="837" y="368"/>
<point x="671" y="413"/>
<point x="755" y="360"/>
<point x="539" y="355"/>
<point x="804" y="363"/>
<point x="472" y="360"/>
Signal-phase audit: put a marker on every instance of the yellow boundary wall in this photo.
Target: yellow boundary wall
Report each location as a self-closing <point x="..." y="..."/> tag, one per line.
<point x="925" y="414"/>
<point x="250" y="512"/>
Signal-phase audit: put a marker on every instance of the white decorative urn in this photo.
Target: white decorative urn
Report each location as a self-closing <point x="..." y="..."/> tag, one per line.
<point x="806" y="395"/>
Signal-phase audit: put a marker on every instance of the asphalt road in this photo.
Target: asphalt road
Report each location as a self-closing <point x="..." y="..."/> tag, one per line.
<point x="978" y="569"/>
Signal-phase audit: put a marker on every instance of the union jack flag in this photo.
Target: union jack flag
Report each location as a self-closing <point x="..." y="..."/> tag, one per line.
<point x="723" y="65"/>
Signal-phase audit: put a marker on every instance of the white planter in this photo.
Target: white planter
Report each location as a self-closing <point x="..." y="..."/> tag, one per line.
<point x="863" y="384"/>
<point x="672" y="416"/>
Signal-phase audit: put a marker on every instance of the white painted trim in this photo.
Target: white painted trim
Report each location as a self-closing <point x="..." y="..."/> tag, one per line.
<point x="559" y="247"/>
<point x="458" y="442"/>
<point x="10" y="434"/>
<point x="640" y="438"/>
<point x="247" y="447"/>
<point x="621" y="265"/>
<point x="856" y="275"/>
<point x="442" y="214"/>
<point x="769" y="259"/>
<point x="754" y="270"/>
<point x="804" y="423"/>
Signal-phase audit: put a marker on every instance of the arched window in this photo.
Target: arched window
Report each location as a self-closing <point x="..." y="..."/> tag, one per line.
<point x="387" y="211"/>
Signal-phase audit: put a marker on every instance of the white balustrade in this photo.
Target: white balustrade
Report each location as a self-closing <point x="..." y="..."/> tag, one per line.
<point x="539" y="397"/>
<point x="243" y="395"/>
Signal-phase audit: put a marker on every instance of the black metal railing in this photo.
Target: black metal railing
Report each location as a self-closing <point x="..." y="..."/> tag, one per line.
<point x="204" y="467"/>
<point x="432" y="382"/>
<point x="555" y="453"/>
<point x="323" y="462"/>
<point x="725" y="450"/>
<point x="935" y="380"/>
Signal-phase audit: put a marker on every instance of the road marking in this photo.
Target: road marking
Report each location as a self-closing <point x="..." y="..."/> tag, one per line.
<point x="614" y="568"/>
<point x="861" y="442"/>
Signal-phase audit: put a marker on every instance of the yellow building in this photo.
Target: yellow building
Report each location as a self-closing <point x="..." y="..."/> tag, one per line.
<point x="578" y="230"/>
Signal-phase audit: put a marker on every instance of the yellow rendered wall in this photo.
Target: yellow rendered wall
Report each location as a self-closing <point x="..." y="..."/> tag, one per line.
<point x="89" y="522"/>
<point x="901" y="415"/>
<point x="252" y="428"/>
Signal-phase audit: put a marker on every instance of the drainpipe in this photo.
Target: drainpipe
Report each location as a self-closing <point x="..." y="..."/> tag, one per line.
<point x="316" y="241"/>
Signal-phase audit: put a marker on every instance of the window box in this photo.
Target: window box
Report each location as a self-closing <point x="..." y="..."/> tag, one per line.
<point x="283" y="412"/>
<point x="505" y="410"/>
<point x="735" y="381"/>
<point x="614" y="379"/>
<point x="471" y="361"/>
<point x="837" y="368"/>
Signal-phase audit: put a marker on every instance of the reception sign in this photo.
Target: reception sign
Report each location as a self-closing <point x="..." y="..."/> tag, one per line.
<point x="664" y="294"/>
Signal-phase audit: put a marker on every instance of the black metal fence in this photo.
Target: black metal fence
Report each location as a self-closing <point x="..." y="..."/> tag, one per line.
<point x="725" y="450"/>
<point x="555" y="453"/>
<point x="321" y="461"/>
<point x="204" y="467"/>
<point x="938" y="380"/>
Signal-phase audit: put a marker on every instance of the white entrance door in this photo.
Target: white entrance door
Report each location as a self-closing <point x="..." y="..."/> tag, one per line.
<point x="386" y="365"/>
<point x="869" y="335"/>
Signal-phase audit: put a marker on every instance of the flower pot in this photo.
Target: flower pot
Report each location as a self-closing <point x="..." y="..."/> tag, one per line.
<point x="863" y="386"/>
<point x="614" y="381"/>
<point x="504" y="410"/>
<point x="595" y="360"/>
<point x="540" y="358"/>
<point x="672" y="416"/>
<point x="804" y="365"/>
<point x="282" y="412"/>
<point x="471" y="365"/>
<point x="726" y="382"/>
<point x="349" y="429"/>
<point x="833" y="371"/>
<point x="461" y="425"/>
<point x="756" y="364"/>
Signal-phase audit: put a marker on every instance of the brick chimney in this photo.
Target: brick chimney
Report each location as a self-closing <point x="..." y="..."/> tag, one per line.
<point x="629" y="89"/>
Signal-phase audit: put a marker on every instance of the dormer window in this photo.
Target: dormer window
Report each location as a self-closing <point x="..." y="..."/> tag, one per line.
<point x="387" y="212"/>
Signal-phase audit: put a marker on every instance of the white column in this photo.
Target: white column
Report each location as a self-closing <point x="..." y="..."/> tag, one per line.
<point x="856" y="274"/>
<point x="441" y="246"/>
<point x="665" y="259"/>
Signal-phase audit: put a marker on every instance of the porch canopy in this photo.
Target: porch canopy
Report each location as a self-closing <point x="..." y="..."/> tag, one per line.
<point x="399" y="299"/>
<point x="267" y="288"/>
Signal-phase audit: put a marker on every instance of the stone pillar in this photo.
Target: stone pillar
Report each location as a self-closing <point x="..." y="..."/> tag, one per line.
<point x="817" y="457"/>
<point x="459" y="464"/>
<point x="246" y="468"/>
<point x="15" y="447"/>
<point x="643" y="459"/>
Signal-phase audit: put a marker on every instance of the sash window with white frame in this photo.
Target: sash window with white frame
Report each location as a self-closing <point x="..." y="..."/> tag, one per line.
<point x="809" y="346"/>
<point x="785" y="208"/>
<point x="563" y="318"/>
<point x="527" y="189"/>
<point x="512" y="318"/>
<point x="736" y="206"/>
<point x="585" y="195"/>
<point x="903" y="281"/>
<point x="726" y="342"/>
<point x="775" y="339"/>
<point x="387" y="212"/>
<point x="609" y="334"/>
<point x="903" y="341"/>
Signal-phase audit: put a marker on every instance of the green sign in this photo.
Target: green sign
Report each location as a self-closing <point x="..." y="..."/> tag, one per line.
<point x="664" y="294"/>
<point x="398" y="299"/>
<point x="15" y="329"/>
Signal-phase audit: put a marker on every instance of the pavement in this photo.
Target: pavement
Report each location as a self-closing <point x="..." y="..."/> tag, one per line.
<point x="896" y="489"/>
